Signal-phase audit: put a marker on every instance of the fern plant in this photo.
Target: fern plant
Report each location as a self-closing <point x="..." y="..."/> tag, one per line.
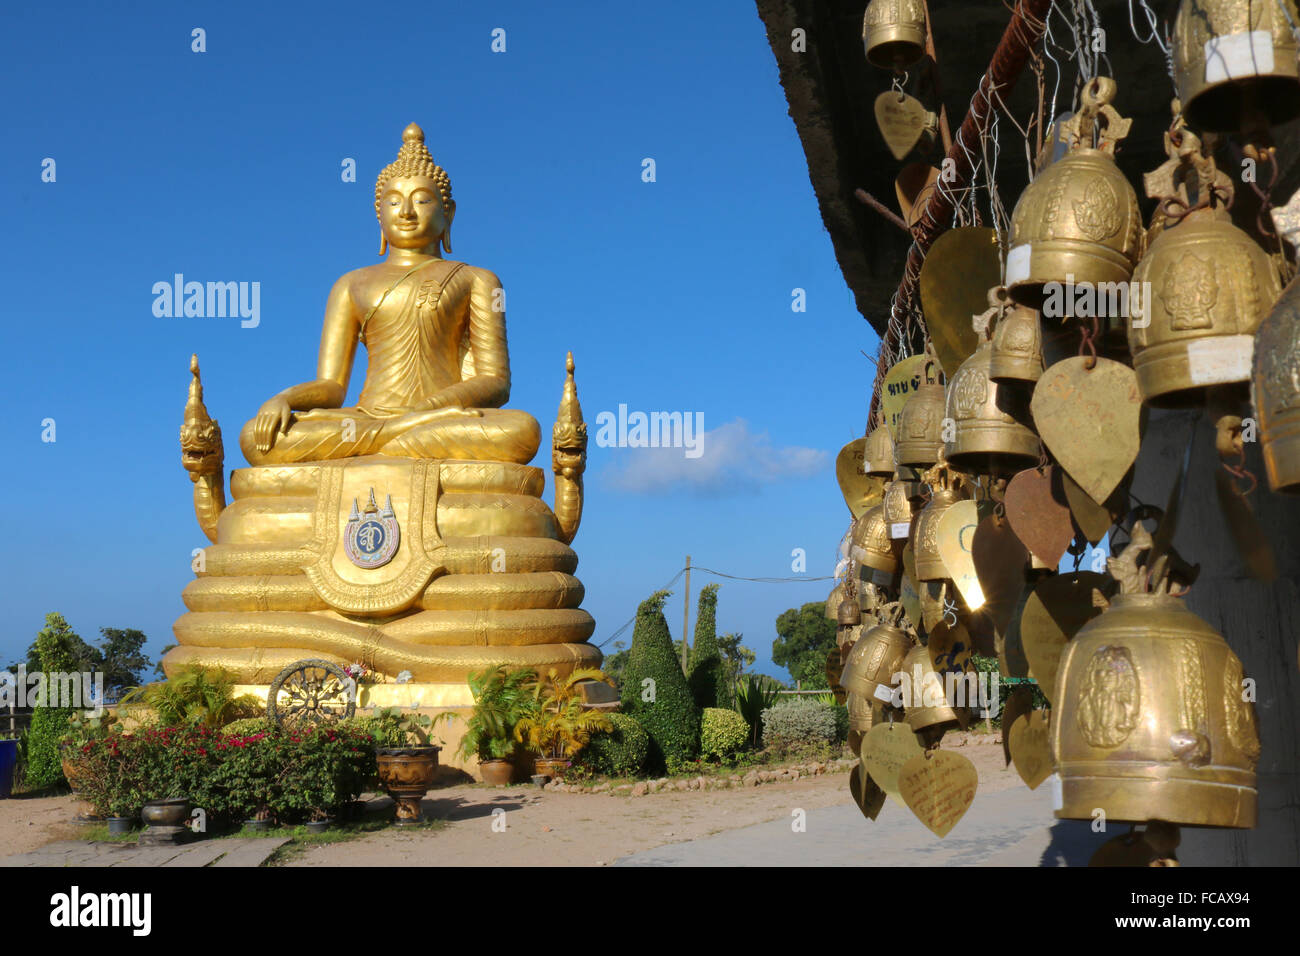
<point x="754" y="694"/>
<point x="557" y="725"/>
<point x="501" y="698"/>
<point x="196" y="696"/>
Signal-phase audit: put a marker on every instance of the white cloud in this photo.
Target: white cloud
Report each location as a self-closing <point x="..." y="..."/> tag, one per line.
<point x="732" y="459"/>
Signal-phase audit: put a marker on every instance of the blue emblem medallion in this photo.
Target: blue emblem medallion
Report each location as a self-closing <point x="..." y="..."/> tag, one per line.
<point x="372" y="536"/>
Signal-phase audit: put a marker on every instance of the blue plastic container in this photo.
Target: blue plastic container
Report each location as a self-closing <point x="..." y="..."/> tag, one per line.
<point x="8" y="760"/>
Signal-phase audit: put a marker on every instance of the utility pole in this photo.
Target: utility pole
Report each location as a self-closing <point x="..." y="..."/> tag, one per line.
<point x="686" y="611"/>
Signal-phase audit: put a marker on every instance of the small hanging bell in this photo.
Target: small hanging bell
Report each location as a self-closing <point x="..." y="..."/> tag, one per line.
<point x="1235" y="63"/>
<point x="1078" y="221"/>
<point x="1017" y="347"/>
<point x="861" y="713"/>
<point x="879" y="461"/>
<point x="926" y="706"/>
<point x="893" y="33"/>
<point x="987" y="438"/>
<point x="1275" y="381"/>
<point x="947" y="489"/>
<point x="877" y="657"/>
<point x="871" y="544"/>
<point x="1153" y="723"/>
<point x="920" y="427"/>
<point x="1210" y="286"/>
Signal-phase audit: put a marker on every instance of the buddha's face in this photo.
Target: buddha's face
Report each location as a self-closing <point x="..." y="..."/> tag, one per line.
<point x="411" y="213"/>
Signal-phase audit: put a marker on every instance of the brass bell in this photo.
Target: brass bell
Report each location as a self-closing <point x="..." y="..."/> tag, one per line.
<point x="861" y="713"/>
<point x="1235" y="63"/>
<point x="920" y="426"/>
<point x="1017" y="347"/>
<point x="1210" y="286"/>
<point x="871" y="544"/>
<point x="1078" y="221"/>
<point x="877" y="657"/>
<point x="946" y="492"/>
<point x="893" y="33"/>
<point x="849" y="614"/>
<point x="987" y="438"/>
<point x="1151" y="722"/>
<point x="880" y="453"/>
<point x="926" y="706"/>
<point x="1275" y="387"/>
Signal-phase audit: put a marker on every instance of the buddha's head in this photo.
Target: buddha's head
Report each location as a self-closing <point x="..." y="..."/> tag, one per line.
<point x="413" y="197"/>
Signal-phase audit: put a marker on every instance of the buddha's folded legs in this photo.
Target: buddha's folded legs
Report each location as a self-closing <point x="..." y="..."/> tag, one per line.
<point x="489" y="434"/>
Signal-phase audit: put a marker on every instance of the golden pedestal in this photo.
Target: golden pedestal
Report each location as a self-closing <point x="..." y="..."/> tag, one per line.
<point x="478" y="578"/>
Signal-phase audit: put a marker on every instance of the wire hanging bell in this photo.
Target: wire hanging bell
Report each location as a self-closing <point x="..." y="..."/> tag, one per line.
<point x="987" y="437"/>
<point x="1151" y="719"/>
<point x="946" y="491"/>
<point x="871" y="544"/>
<point x="1017" y="357"/>
<point x="1235" y="63"/>
<point x="1078" y="221"/>
<point x="879" y="455"/>
<point x="926" y="706"/>
<point x="877" y="657"/>
<point x="1210" y="286"/>
<point x="893" y="33"/>
<point x="920" y="426"/>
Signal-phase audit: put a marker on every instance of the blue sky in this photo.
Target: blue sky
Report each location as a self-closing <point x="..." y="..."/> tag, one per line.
<point x="225" y="166"/>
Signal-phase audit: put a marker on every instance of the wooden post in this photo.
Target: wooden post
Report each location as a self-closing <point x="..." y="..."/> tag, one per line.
<point x="686" y="612"/>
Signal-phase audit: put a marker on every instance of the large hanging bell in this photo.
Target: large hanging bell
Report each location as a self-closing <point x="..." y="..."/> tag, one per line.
<point x="871" y="544"/>
<point x="880" y="453"/>
<point x="1275" y="386"/>
<point x="987" y="438"/>
<point x="1078" y="221"/>
<point x="1152" y="721"/>
<point x="920" y="426"/>
<point x="926" y="705"/>
<point x="1235" y="63"/>
<point x="1210" y="286"/>
<point x="893" y="33"/>
<point x="876" y="658"/>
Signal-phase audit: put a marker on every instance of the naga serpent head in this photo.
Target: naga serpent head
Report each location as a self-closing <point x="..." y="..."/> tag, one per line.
<point x="569" y="449"/>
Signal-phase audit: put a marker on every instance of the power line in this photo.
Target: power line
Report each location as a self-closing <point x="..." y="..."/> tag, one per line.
<point x="721" y="574"/>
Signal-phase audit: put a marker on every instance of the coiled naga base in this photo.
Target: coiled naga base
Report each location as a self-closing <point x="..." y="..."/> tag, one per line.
<point x="482" y="573"/>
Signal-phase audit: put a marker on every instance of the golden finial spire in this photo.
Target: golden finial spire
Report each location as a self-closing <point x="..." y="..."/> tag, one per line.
<point x="194" y="409"/>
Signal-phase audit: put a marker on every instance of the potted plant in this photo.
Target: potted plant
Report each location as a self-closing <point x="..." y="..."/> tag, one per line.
<point x="557" y="724"/>
<point x="406" y="760"/>
<point x="501" y="697"/>
<point x="8" y="763"/>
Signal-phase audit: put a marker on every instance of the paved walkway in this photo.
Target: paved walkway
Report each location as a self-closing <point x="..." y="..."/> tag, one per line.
<point x="231" y="852"/>
<point x="1010" y="828"/>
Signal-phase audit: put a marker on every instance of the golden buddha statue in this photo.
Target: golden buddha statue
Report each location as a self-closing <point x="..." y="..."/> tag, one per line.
<point x="464" y="567"/>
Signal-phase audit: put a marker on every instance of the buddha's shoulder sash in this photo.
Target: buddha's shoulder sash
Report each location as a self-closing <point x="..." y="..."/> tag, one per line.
<point x="455" y="267"/>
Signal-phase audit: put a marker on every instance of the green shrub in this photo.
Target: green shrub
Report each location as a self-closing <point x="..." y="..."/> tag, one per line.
<point x="655" y="691"/>
<point x="621" y="752"/>
<point x="794" y="724"/>
<point x="707" y="677"/>
<point x="231" y="777"/>
<point x="841" y="712"/>
<point x="722" y="733"/>
<point x="247" y="726"/>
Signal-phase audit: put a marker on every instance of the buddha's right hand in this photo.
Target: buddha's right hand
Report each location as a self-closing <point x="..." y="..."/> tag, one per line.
<point x="272" y="419"/>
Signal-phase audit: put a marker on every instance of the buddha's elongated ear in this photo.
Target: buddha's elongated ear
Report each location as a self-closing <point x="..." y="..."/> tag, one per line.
<point x="446" y="233"/>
